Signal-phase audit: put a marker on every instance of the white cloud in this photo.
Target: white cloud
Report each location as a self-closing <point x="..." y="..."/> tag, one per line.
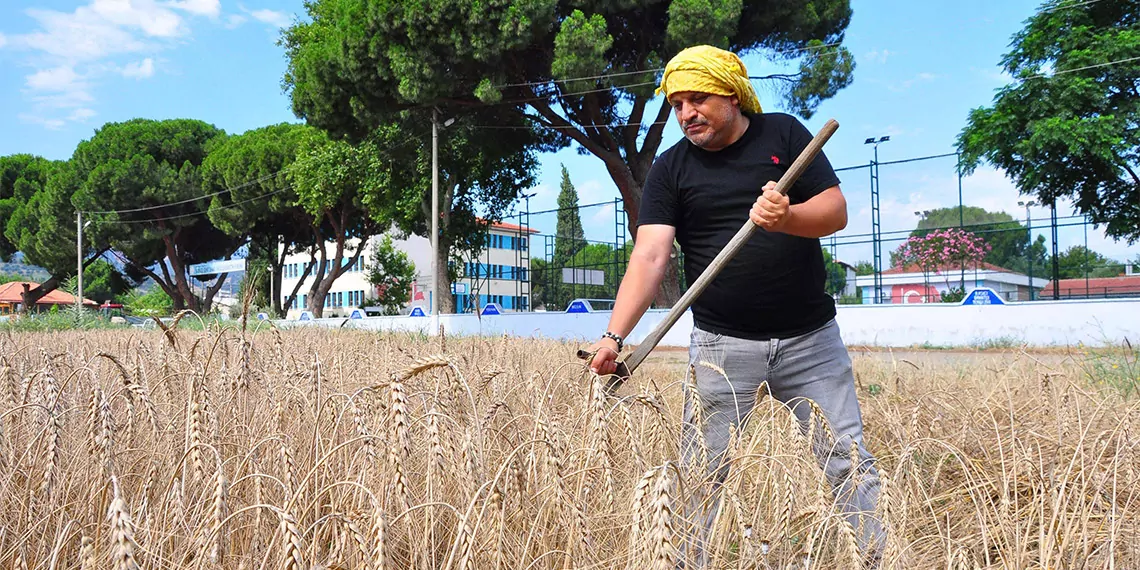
<point x="209" y="8"/>
<point x="62" y="78"/>
<point x="52" y="124"/>
<point x="3" y="40"/>
<point x="235" y="20"/>
<point x="271" y="17"/>
<point x="603" y="215"/>
<point x="139" y="69"/>
<point x="81" y="114"/>
<point x="906" y="84"/>
<point x="877" y="56"/>
<point x="71" y="51"/>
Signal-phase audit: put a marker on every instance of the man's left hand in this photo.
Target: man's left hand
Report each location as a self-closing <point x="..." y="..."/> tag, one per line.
<point x="771" y="210"/>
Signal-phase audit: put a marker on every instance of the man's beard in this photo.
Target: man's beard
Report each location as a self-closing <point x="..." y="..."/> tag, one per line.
<point x="701" y="139"/>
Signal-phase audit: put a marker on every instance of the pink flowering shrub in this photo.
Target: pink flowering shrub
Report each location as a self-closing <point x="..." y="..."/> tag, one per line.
<point x="941" y="251"/>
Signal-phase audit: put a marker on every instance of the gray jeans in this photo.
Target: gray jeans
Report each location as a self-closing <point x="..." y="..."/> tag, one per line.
<point x="814" y="366"/>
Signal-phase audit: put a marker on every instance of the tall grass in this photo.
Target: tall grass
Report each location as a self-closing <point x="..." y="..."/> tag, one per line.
<point x="342" y="449"/>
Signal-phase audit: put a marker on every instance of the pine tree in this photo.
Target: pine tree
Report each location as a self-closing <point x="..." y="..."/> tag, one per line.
<point x="568" y="235"/>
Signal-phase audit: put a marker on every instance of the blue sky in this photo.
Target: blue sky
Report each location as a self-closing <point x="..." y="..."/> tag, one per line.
<point x="69" y="67"/>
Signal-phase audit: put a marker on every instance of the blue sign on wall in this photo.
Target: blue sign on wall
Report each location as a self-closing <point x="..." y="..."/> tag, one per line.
<point x="262" y="316"/>
<point x="305" y="316"/>
<point x="579" y="306"/>
<point x="983" y="296"/>
<point x="491" y="309"/>
<point x="417" y="312"/>
<point x="356" y="314"/>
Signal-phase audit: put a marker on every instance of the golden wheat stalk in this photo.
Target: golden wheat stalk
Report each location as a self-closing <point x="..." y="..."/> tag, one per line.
<point x="421" y="365"/>
<point x="292" y="547"/>
<point x="122" y="533"/>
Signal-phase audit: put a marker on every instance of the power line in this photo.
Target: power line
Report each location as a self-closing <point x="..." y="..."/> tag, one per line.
<point x="218" y="193"/>
<point x="189" y="200"/>
<point x="192" y="214"/>
<point x="1075" y="69"/>
<point x="593" y="126"/>
<point x="640" y="72"/>
<point x="1060" y="6"/>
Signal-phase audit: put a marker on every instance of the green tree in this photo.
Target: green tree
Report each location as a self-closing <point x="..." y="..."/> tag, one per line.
<point x="836" y="275"/>
<point x="1079" y="261"/>
<point x="103" y="282"/>
<point x="481" y="173"/>
<point x="21" y="176"/>
<point x="392" y="272"/>
<point x="149" y="302"/>
<point x="337" y="184"/>
<point x="1066" y="126"/>
<point x="38" y="219"/>
<point x="865" y="268"/>
<point x="261" y="204"/>
<point x="141" y="180"/>
<point x="584" y="69"/>
<point x="569" y="236"/>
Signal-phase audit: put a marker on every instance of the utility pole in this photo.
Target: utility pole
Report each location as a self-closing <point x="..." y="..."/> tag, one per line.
<point x="79" y="257"/>
<point x="1029" y="248"/>
<point x="1056" y="263"/>
<point x="435" y="292"/>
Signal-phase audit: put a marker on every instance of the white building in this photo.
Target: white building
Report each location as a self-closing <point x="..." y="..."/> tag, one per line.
<point x="911" y="285"/>
<point x="501" y="275"/>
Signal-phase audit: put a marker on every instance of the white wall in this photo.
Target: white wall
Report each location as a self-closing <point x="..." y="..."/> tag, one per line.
<point x="1039" y="323"/>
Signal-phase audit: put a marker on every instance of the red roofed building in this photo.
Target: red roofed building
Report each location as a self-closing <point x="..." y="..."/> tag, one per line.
<point x="1096" y="288"/>
<point x="12" y="298"/>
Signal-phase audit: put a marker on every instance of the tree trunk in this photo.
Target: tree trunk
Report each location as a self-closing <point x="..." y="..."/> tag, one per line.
<point x="297" y="286"/>
<point x="446" y="303"/>
<point x="316" y="303"/>
<point x="337" y="267"/>
<point x="180" y="283"/>
<point x="30" y="296"/>
<point x="208" y="301"/>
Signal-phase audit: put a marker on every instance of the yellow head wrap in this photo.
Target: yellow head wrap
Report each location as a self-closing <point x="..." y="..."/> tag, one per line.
<point x="708" y="69"/>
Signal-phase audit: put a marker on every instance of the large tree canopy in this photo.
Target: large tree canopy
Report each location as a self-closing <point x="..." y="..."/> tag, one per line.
<point x="481" y="173"/>
<point x="38" y="219"/>
<point x="586" y="69"/>
<point x="148" y="172"/>
<point x="1066" y="127"/>
<point x="260" y="203"/>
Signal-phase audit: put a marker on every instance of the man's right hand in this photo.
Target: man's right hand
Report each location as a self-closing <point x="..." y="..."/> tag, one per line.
<point x="605" y="356"/>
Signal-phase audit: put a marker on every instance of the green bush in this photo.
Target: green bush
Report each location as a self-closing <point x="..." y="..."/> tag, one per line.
<point x="954" y="295"/>
<point x="58" y="319"/>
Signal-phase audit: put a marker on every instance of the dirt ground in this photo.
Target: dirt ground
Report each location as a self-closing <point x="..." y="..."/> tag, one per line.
<point x="667" y="355"/>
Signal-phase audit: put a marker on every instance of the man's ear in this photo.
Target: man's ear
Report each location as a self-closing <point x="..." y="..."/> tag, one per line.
<point x="735" y="101"/>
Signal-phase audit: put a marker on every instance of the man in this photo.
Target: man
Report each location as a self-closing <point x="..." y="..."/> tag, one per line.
<point x="766" y="317"/>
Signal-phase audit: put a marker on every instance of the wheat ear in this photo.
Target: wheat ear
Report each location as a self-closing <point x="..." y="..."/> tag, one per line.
<point x="122" y="535"/>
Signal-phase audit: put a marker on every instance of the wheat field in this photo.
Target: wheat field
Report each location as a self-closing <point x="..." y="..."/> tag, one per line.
<point x="322" y="449"/>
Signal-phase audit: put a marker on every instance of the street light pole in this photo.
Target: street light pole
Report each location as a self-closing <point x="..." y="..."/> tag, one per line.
<point x="1029" y="247"/>
<point x="434" y="308"/>
<point x="79" y="257"/>
<point x="875" y="218"/>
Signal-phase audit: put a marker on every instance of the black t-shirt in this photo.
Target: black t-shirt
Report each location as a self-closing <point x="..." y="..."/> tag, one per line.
<point x="774" y="287"/>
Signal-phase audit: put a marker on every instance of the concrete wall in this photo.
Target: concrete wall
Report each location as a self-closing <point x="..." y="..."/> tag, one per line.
<point x="1040" y="323"/>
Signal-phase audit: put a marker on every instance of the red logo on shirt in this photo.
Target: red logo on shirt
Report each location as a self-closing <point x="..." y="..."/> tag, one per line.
<point x="775" y="159"/>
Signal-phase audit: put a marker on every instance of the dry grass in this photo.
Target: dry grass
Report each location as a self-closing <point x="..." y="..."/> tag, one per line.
<point x="340" y="449"/>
